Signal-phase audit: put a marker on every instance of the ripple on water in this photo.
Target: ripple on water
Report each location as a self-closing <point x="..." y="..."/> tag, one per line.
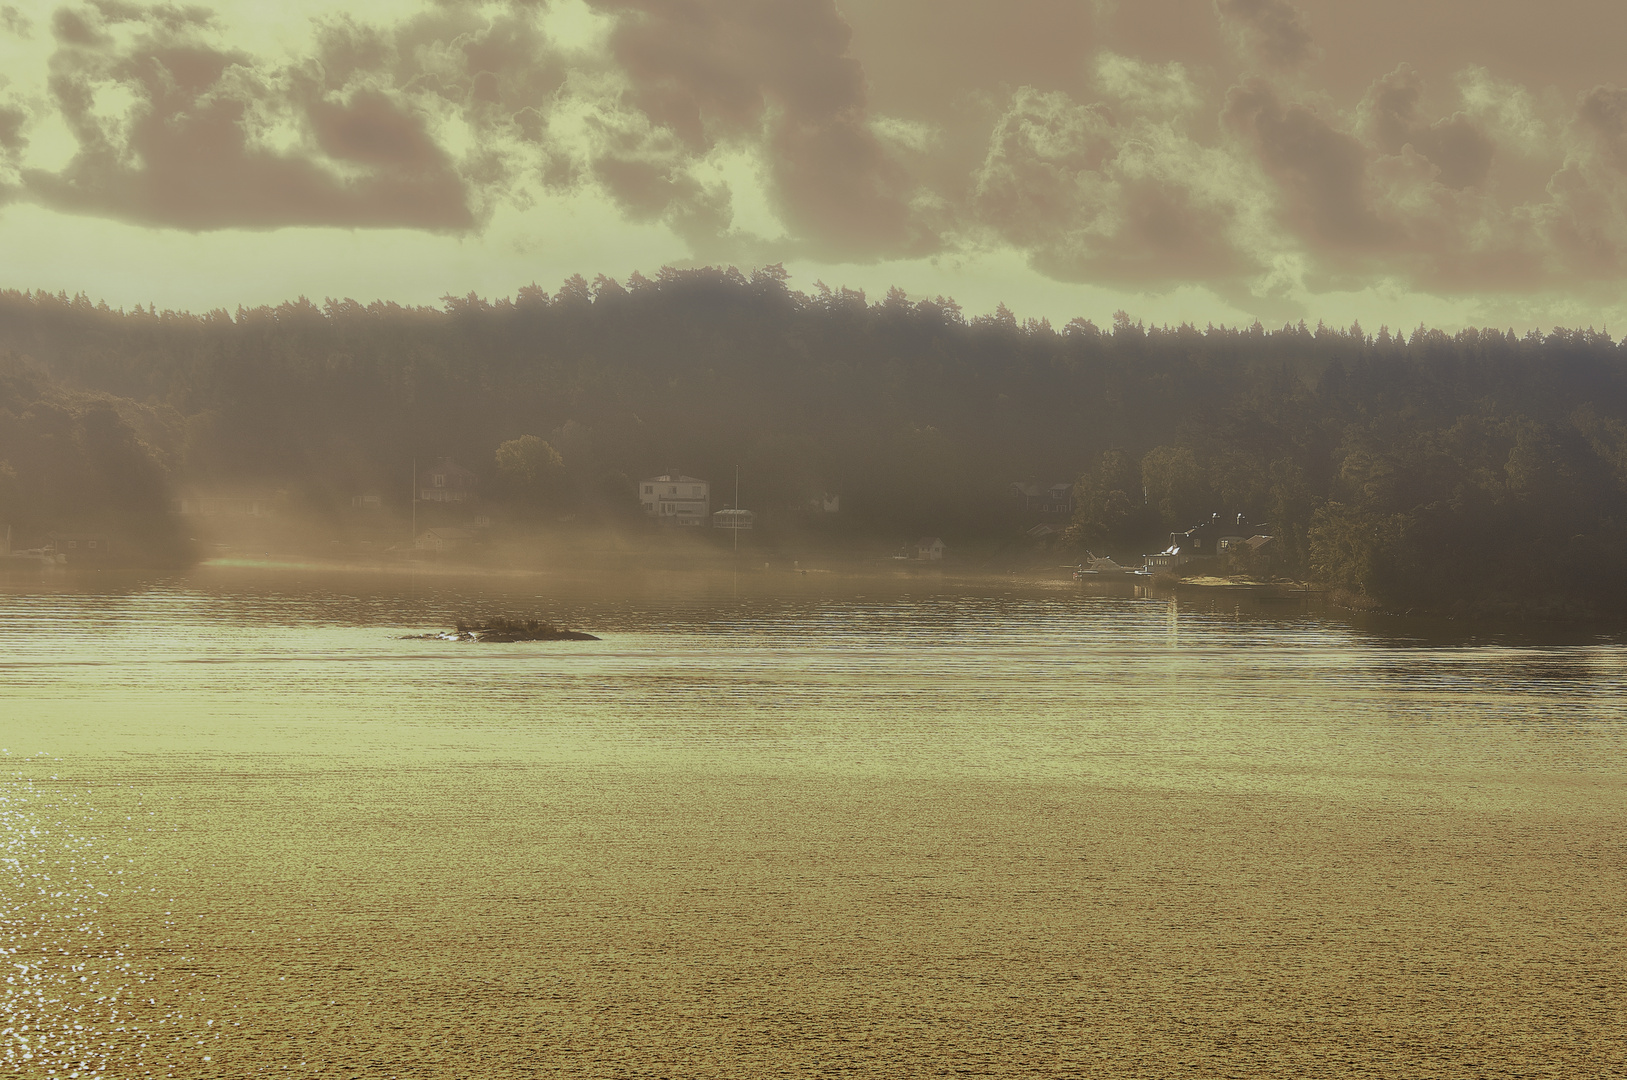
<point x="74" y="1003"/>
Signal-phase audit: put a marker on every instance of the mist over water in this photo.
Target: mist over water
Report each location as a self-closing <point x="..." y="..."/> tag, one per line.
<point x="788" y="825"/>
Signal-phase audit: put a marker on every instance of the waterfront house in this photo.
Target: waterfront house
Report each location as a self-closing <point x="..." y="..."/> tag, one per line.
<point x="1204" y="540"/>
<point x="448" y="482"/>
<point x="676" y="499"/>
<point x="733" y="519"/>
<point x="442" y="541"/>
<point x="225" y="504"/>
<point x="929" y="548"/>
<point x="80" y="547"/>
<point x="1049" y="500"/>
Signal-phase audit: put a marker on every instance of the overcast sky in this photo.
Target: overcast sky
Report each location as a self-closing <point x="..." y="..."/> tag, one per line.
<point x="1393" y="161"/>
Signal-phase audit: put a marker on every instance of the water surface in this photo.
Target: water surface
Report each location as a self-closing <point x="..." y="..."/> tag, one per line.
<point x="798" y="826"/>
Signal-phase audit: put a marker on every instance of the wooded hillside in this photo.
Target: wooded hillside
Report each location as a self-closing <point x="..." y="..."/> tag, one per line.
<point x="1480" y="470"/>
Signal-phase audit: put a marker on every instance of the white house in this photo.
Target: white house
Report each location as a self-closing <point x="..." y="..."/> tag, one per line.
<point x="448" y="482"/>
<point x="929" y="548"/>
<point x="733" y="519"/>
<point x="441" y="541"/>
<point x="676" y="499"/>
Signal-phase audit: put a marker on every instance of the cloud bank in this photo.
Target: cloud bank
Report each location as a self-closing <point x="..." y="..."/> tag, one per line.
<point x="750" y="129"/>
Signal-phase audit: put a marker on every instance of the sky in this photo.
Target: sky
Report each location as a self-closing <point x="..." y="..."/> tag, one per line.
<point x="1393" y="162"/>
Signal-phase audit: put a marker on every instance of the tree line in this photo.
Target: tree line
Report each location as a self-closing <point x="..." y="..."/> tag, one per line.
<point x="1477" y="471"/>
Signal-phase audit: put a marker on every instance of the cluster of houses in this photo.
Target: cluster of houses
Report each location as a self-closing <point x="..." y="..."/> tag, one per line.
<point x="1217" y="536"/>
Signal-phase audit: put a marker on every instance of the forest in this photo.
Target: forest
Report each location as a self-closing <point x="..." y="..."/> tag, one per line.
<point x="1477" y="473"/>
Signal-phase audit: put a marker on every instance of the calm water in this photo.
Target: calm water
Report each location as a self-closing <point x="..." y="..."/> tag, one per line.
<point x="818" y="828"/>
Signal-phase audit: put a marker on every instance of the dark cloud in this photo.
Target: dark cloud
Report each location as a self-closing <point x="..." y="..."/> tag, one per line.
<point x="15" y="22"/>
<point x="1455" y="145"/>
<point x="184" y="157"/>
<point x="1093" y="196"/>
<point x="73" y="28"/>
<point x="1143" y="144"/>
<point x="715" y="72"/>
<point x="1602" y="114"/>
<point x="1321" y="171"/>
<point x="1271" y="31"/>
<point x="12" y="122"/>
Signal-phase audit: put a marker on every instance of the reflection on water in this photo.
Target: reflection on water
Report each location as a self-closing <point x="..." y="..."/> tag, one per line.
<point x="878" y="827"/>
<point x="74" y="1003"/>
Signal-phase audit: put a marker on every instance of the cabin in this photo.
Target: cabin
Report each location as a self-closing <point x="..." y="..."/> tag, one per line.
<point x="240" y="504"/>
<point x="741" y="520"/>
<point x="1048" y="500"/>
<point x="448" y="482"/>
<point x="675" y="499"/>
<point x="929" y="549"/>
<point x="80" y="548"/>
<point x="1204" y="540"/>
<point x="442" y="541"/>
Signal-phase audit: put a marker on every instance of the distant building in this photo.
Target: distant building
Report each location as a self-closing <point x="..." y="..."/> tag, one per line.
<point x="733" y="519"/>
<point x="239" y="504"/>
<point x="367" y="502"/>
<point x="441" y="541"/>
<point x="1049" y="500"/>
<point x="448" y="482"/>
<point x="825" y="503"/>
<point x="80" y="547"/>
<point x="929" y="548"/>
<point x="1204" y="540"/>
<point x="676" y="499"/>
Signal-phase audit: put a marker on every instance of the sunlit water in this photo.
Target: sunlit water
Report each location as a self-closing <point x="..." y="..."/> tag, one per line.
<point x="797" y="827"/>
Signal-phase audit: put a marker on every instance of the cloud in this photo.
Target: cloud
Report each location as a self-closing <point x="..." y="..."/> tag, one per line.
<point x="15" y="22"/>
<point x="1092" y="195"/>
<point x="1320" y="171"/>
<point x="12" y="121"/>
<point x="185" y="153"/>
<point x="1585" y="218"/>
<point x="1269" y="31"/>
<point x="751" y="130"/>
<point x="1455" y="145"/>
<point x="711" y="73"/>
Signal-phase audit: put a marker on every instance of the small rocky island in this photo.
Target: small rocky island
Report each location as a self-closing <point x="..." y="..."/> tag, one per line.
<point x="505" y="629"/>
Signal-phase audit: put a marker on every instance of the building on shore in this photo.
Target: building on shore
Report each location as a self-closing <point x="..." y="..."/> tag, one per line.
<point x="80" y="548"/>
<point x="1045" y="500"/>
<point x="228" y="504"/>
<point x="676" y="499"/>
<point x="929" y="549"/>
<point x="1205" y="540"/>
<point x="448" y="482"/>
<point x="741" y="520"/>
<point x="443" y="541"/>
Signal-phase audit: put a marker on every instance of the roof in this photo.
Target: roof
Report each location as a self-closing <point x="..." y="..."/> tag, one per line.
<point x="668" y="478"/>
<point x="927" y="541"/>
<point x="450" y="467"/>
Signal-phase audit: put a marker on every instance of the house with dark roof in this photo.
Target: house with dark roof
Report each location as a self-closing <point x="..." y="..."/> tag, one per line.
<point x="1046" y="500"/>
<point x="448" y="482"/>
<point x="1206" y="539"/>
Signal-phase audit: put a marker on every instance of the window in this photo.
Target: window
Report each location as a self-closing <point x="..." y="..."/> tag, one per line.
<point x="649" y="489"/>
<point x="91" y="544"/>
<point x="440" y="479"/>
